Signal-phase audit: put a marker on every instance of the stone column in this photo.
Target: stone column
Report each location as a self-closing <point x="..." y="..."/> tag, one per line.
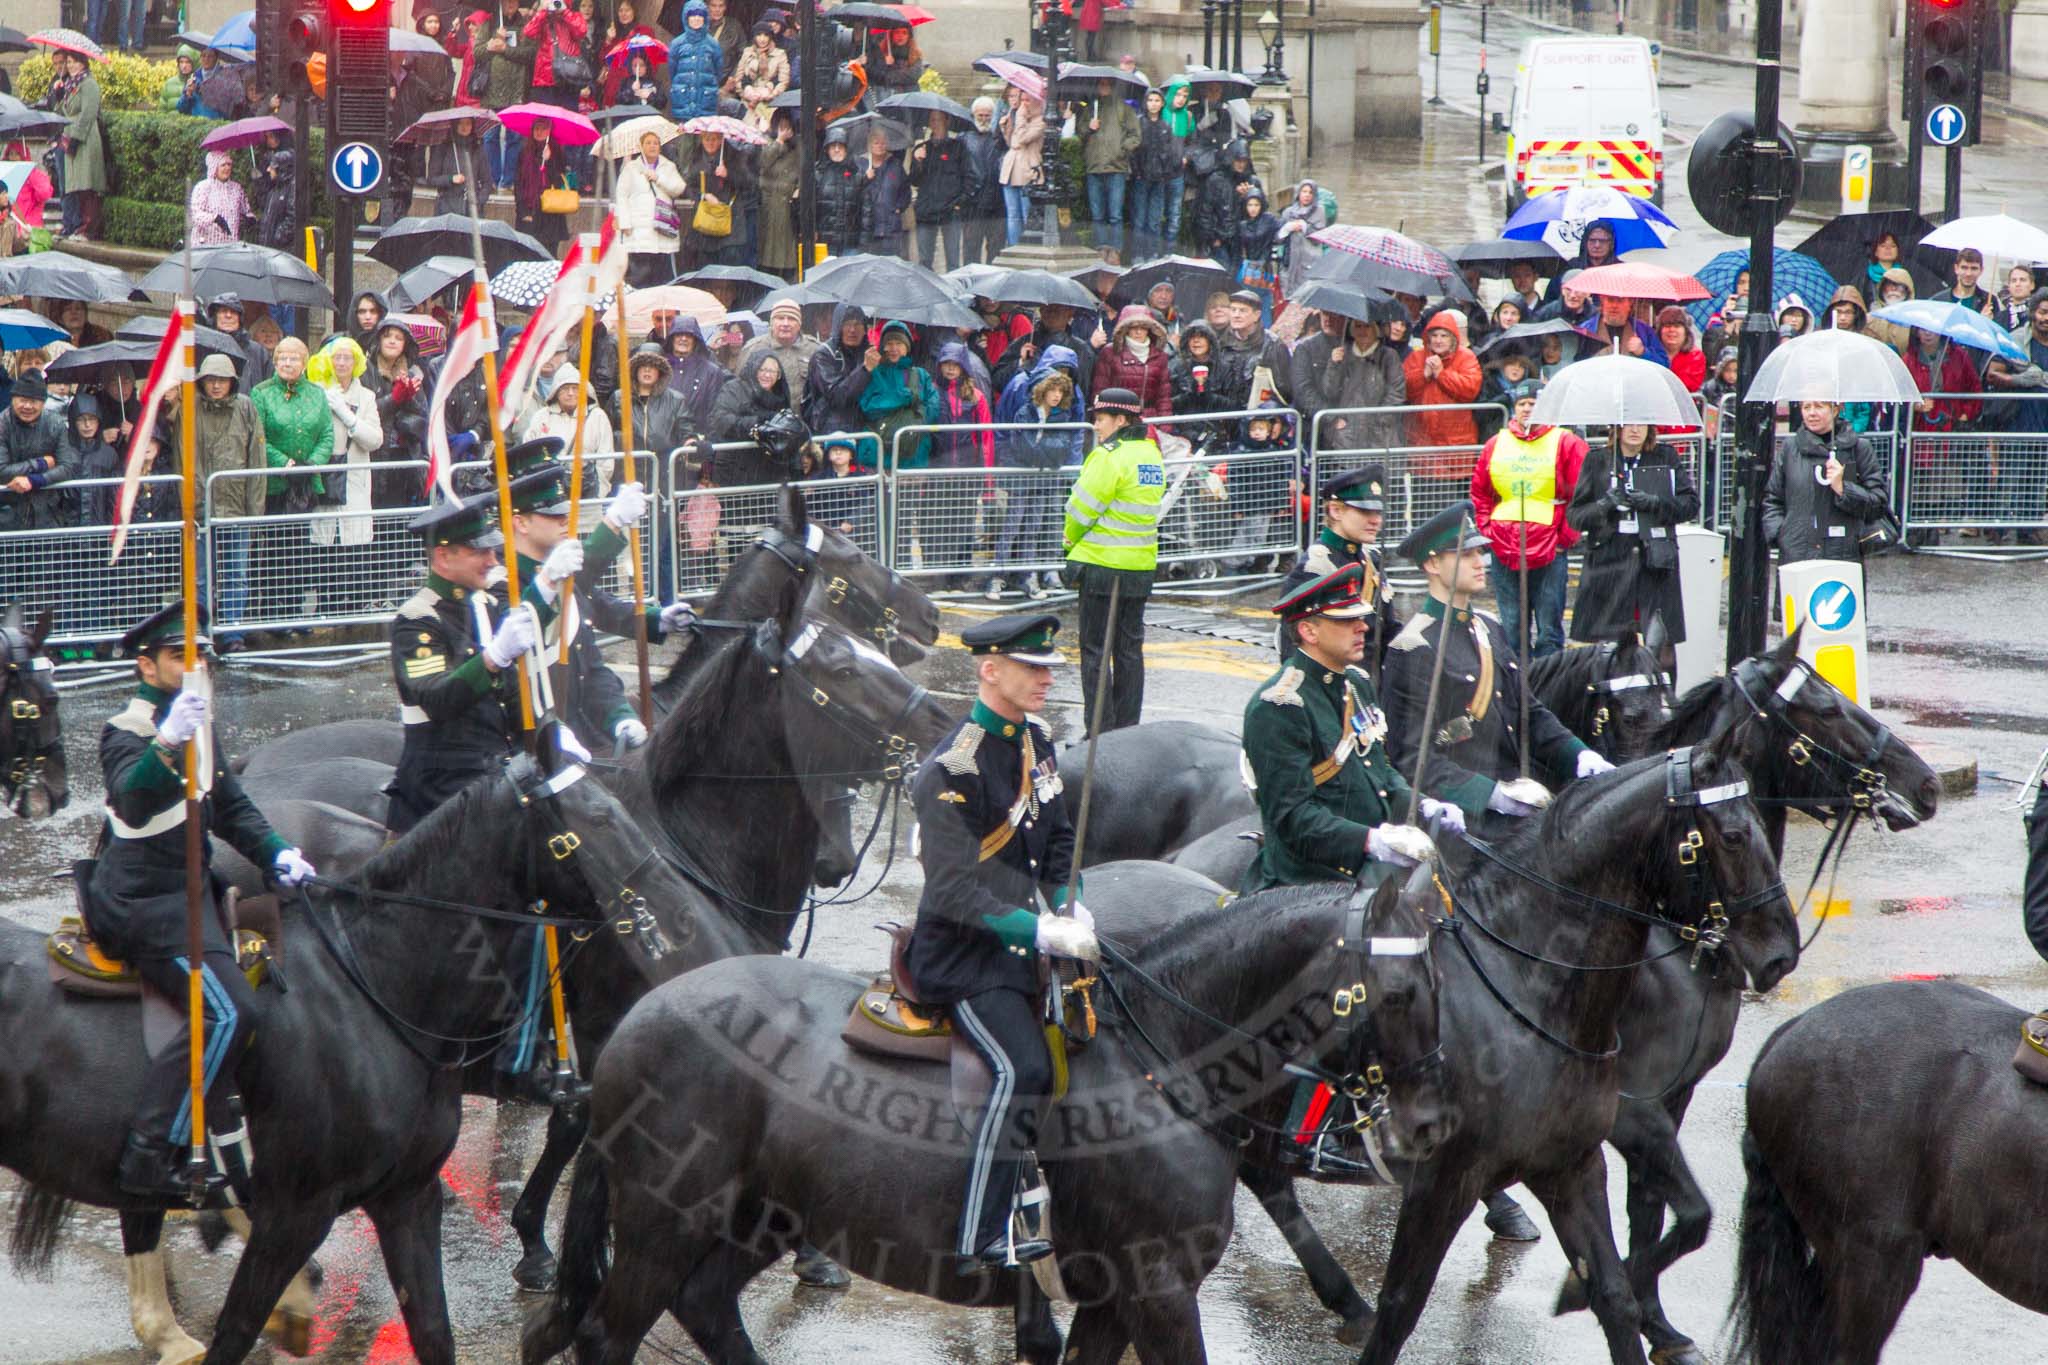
<point x="1845" y="94"/>
<point x="2030" y="40"/>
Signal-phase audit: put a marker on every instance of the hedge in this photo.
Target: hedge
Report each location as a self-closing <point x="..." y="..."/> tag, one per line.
<point x="126" y="81"/>
<point x="157" y="157"/>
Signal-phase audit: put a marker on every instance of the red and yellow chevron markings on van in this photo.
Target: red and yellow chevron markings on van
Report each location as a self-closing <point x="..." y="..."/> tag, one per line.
<point x="1631" y="166"/>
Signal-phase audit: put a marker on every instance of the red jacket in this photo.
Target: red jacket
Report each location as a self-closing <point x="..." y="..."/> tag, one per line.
<point x="1544" y="540"/>
<point x="1691" y="368"/>
<point x="1117" y="368"/>
<point x="572" y="27"/>
<point x="1457" y="382"/>
<point x="1958" y="375"/>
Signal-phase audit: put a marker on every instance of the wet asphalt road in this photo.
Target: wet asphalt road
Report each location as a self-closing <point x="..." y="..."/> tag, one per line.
<point x="1939" y="901"/>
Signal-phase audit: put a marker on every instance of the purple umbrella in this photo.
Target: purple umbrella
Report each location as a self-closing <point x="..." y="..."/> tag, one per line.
<point x="244" y="132"/>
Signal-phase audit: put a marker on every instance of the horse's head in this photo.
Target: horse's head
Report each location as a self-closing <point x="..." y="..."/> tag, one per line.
<point x="849" y="710"/>
<point x="1631" y="695"/>
<point x="1826" y="749"/>
<point x="872" y="601"/>
<point x="1394" y="1050"/>
<point x="33" y="778"/>
<point x="1726" y="892"/>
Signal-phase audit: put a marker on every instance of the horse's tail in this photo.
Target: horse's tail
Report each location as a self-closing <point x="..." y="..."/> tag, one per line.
<point x="1780" y="1313"/>
<point x="585" y="1261"/>
<point x="39" y="1218"/>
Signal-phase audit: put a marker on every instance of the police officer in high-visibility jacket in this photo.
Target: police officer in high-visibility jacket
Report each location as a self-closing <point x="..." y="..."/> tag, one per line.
<point x="1111" y="538"/>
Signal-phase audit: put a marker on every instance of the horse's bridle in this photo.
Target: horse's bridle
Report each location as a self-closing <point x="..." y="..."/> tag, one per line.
<point x="1703" y="883"/>
<point x="866" y="613"/>
<point x="1861" y="778"/>
<point x="622" y="905"/>
<point x="899" y="754"/>
<point x="33" y="727"/>
<point x="1627" y="682"/>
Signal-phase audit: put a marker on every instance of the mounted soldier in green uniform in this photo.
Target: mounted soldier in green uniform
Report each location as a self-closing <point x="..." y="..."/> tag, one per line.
<point x="1330" y="800"/>
<point x="137" y="894"/>
<point x="1354" y="509"/>
<point x="594" y="702"/>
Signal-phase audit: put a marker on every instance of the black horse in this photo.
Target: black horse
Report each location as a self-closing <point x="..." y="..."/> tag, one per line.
<point x="1160" y="785"/>
<point x="1607" y="852"/>
<point x="730" y="1089"/>
<point x="33" y="779"/>
<point x="1949" y="1158"/>
<point x="352" y="1081"/>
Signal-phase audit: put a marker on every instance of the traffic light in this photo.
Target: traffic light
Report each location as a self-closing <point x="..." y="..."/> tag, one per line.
<point x="1944" y="61"/>
<point x="359" y="71"/>
<point x="289" y="35"/>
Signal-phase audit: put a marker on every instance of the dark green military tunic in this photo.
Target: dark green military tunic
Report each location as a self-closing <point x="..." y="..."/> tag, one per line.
<point x="596" y="700"/>
<point x="1315" y="739"/>
<point x="1478" y="712"/>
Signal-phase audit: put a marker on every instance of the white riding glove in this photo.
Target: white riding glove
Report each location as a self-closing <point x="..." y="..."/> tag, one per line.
<point x="291" y="868"/>
<point x="628" y="506"/>
<point x="630" y="732"/>
<point x="1062" y="936"/>
<point x="182" y="721"/>
<point x="1402" y="845"/>
<point x="1081" y="914"/>
<point x="1449" y="818"/>
<point x="569" y="746"/>
<point x="1523" y="796"/>
<point x="563" y="562"/>
<point x="677" y="616"/>
<point x="1592" y="764"/>
<point x="516" y="634"/>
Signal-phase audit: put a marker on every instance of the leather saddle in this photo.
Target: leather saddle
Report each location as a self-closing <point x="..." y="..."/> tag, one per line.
<point x="79" y="966"/>
<point x="2031" y="1058"/>
<point x="889" y="1020"/>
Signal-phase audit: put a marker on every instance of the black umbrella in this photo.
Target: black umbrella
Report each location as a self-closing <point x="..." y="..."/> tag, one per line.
<point x="260" y="274"/>
<point x="429" y="278"/>
<point x="1493" y="257"/>
<point x="1039" y="287"/>
<point x="132" y="356"/>
<point x="890" y="287"/>
<point x="1096" y="278"/>
<point x="1080" y="74"/>
<point x="860" y="126"/>
<point x="59" y="275"/>
<point x="405" y="43"/>
<point x="411" y="240"/>
<point x="750" y="283"/>
<point x="788" y="99"/>
<point x="861" y="15"/>
<point x="925" y="102"/>
<point x="1842" y="246"/>
<point x="13" y="40"/>
<point x="1193" y="278"/>
<point x="1525" y="331"/>
<point x="18" y="120"/>
<point x="1363" y="305"/>
<point x="1024" y="57"/>
<point x="619" y="113"/>
<point x="1344" y="267"/>
<point x="1235" y="80"/>
<point x="151" y="329"/>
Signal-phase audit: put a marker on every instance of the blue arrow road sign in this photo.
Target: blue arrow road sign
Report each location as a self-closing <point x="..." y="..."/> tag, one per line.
<point x="356" y="167"/>
<point x="1946" y="125"/>
<point x="1831" y="605"/>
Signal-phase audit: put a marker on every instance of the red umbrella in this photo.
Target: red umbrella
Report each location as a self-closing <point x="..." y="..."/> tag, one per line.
<point x="571" y="128"/>
<point x="437" y="125"/>
<point x="244" y="132"/>
<point x="653" y="49"/>
<point x="69" y="40"/>
<point x="916" y="14"/>
<point x="1639" y="280"/>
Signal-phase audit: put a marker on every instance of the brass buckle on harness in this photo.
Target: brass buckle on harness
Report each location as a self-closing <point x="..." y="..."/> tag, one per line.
<point x="835" y="590"/>
<point x="818" y="696"/>
<point x="1347" y="997"/>
<point x="563" y="844"/>
<point x="1689" y="848"/>
<point x="27" y="710"/>
<point x="1798" y="752"/>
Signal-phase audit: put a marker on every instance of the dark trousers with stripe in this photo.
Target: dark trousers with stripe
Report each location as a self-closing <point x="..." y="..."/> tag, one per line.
<point x="1003" y="1027"/>
<point x="230" y="1008"/>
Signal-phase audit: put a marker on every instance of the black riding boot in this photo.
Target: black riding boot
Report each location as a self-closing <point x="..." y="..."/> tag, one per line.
<point x="152" y="1170"/>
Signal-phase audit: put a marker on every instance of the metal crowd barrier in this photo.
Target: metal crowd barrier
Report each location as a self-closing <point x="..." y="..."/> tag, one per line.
<point x="1422" y="480"/>
<point x="65" y="567"/>
<point x="601" y="470"/>
<point x="1990" y="475"/>
<point x="706" y="526"/>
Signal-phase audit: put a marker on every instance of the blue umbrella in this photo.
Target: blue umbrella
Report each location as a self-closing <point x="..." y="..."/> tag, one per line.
<point x="1561" y="218"/>
<point x="1791" y="273"/>
<point x="1964" y="326"/>
<point x="22" y="330"/>
<point x="238" y="33"/>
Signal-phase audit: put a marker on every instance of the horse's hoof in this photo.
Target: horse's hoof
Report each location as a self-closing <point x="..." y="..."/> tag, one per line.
<point x="1678" y="1353"/>
<point x="292" y="1331"/>
<point x="1571" y="1296"/>
<point x="535" y="1274"/>
<point x="816" y="1270"/>
<point x="1510" y="1224"/>
<point x="1355" y="1331"/>
<point x="213" y="1230"/>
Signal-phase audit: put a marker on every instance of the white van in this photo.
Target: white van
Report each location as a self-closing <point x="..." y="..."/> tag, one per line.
<point x="1584" y="112"/>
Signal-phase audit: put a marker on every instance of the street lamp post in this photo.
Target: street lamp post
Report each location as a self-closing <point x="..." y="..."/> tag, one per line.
<point x="1055" y="39"/>
<point x="1273" y="33"/>
<point x="1209" y="8"/>
<point x="1748" y="556"/>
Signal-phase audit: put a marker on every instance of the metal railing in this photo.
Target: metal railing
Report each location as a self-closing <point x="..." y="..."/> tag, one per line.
<point x="65" y="567"/>
<point x="1986" y="474"/>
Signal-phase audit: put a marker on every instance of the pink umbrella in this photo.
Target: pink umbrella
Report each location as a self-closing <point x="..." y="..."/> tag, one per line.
<point x="571" y="128"/>
<point x="1023" y="77"/>
<point x="70" y="40"/>
<point x="744" y="134"/>
<point x="1639" y="280"/>
<point x="244" y="132"/>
